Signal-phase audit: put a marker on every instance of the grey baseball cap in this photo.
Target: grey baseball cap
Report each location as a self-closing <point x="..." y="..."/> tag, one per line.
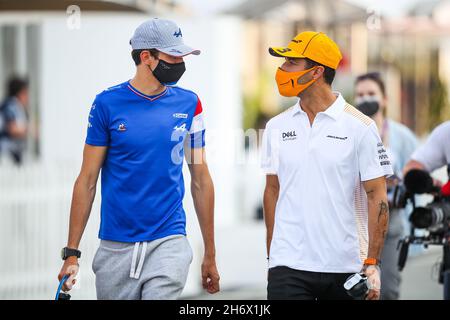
<point x="163" y="35"/>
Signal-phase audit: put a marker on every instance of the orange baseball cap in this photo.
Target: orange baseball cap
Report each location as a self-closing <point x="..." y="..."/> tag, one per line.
<point x="316" y="46"/>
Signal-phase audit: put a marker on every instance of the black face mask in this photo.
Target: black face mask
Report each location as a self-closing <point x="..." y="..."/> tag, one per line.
<point x="368" y="106"/>
<point x="168" y="73"/>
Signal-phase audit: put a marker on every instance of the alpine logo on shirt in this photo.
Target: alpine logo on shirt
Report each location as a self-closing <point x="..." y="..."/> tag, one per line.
<point x="180" y="128"/>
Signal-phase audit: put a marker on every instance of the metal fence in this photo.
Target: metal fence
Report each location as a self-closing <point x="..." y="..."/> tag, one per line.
<point x="34" y="215"/>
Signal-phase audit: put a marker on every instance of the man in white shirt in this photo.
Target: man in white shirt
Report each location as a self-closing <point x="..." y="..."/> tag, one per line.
<point x="325" y="202"/>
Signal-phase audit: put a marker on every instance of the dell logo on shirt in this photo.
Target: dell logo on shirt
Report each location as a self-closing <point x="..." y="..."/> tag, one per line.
<point x="290" y="135"/>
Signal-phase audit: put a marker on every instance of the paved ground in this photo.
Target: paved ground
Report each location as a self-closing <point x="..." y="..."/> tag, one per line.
<point x="420" y="276"/>
<point x="419" y="281"/>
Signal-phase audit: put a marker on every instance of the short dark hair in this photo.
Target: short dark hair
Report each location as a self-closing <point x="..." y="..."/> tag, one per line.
<point x="328" y="74"/>
<point x="136" y="54"/>
<point x="375" y="77"/>
<point x="16" y="85"/>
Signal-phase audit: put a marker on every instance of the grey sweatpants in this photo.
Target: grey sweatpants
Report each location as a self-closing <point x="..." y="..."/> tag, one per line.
<point x="153" y="270"/>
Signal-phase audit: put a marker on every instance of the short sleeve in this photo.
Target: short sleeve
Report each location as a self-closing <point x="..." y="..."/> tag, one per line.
<point x="197" y="130"/>
<point x="9" y="113"/>
<point x="373" y="159"/>
<point x="98" y="125"/>
<point x="432" y="153"/>
<point x="269" y="152"/>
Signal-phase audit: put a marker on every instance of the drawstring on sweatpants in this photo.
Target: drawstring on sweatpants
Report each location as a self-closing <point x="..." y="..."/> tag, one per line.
<point x="136" y="272"/>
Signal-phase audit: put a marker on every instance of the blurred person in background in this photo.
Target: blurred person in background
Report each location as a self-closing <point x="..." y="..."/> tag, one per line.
<point x="14" y="120"/>
<point x="400" y="143"/>
<point x="138" y="133"/>
<point x="325" y="201"/>
<point x="434" y="153"/>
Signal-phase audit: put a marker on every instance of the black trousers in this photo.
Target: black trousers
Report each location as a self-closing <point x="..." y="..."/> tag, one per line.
<point x="288" y="284"/>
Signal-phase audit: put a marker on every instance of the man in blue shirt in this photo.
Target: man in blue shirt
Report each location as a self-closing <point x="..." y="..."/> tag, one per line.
<point x="138" y="133"/>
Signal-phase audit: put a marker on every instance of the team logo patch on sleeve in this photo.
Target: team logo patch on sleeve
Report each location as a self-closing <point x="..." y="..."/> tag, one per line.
<point x="122" y="127"/>
<point x="382" y="155"/>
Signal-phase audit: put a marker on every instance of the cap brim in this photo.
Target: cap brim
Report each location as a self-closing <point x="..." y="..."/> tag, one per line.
<point x="284" y="52"/>
<point x="179" y="51"/>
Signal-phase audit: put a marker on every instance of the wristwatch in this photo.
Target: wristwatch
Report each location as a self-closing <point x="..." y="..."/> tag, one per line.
<point x="69" y="252"/>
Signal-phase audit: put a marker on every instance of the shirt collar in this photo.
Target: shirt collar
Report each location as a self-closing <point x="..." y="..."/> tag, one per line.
<point x="333" y="111"/>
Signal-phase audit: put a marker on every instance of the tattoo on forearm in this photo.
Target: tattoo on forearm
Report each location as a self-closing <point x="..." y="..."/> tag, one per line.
<point x="380" y="230"/>
<point x="384" y="210"/>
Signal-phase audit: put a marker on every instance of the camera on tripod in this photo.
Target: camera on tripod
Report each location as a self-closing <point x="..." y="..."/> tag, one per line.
<point x="434" y="218"/>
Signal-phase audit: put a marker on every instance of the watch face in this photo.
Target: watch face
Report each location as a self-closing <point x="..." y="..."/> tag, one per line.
<point x="62" y="253"/>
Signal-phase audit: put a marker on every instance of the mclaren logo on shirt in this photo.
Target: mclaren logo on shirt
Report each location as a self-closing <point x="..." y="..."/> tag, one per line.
<point x="290" y="135"/>
<point x="336" y="137"/>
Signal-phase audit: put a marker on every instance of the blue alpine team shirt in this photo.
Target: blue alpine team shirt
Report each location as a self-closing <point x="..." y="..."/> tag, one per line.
<point x="142" y="183"/>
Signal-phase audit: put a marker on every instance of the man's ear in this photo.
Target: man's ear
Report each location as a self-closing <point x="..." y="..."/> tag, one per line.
<point x="318" y="72"/>
<point x="146" y="57"/>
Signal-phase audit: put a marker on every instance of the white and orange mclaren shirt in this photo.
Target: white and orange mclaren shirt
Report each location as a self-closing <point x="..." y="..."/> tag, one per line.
<point x="321" y="215"/>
